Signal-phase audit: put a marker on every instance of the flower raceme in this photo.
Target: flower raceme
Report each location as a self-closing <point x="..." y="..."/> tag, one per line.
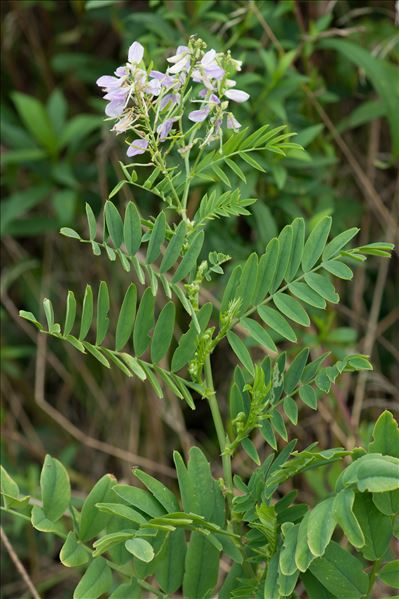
<point x="158" y="107"/>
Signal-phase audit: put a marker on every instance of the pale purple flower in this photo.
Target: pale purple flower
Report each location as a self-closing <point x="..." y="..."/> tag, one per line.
<point x="198" y="116"/>
<point x="236" y="95"/>
<point x="232" y="122"/>
<point x="213" y="99"/>
<point x="136" y="53"/>
<point x="164" y="128"/>
<point x="211" y="67"/>
<point x="164" y="79"/>
<point x="138" y="146"/>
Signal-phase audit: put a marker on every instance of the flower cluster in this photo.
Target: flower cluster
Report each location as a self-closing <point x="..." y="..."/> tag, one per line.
<point x="153" y="104"/>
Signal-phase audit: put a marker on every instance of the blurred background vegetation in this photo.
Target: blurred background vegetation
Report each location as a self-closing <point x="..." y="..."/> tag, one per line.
<point x="328" y="69"/>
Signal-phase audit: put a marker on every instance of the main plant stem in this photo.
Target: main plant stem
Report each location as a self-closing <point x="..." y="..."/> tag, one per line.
<point x="217" y="421"/>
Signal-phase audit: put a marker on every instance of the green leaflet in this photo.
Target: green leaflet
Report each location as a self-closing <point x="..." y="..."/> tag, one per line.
<point x="138" y="498"/>
<point x="287" y="554"/>
<point x="188" y="341"/>
<point x="163" y="332"/>
<point x="294" y="373"/>
<point x="91" y="221"/>
<point x="271" y="589"/>
<point x="308" y="396"/>
<point x="385" y="436"/>
<point x="335" y="245"/>
<point x="389" y="574"/>
<point x="157" y="238"/>
<point x="121" y="511"/>
<point x="303" y="555"/>
<point x="267" y="269"/>
<point x="87" y="313"/>
<point x="174" y="248"/>
<point x="343" y="512"/>
<point x="291" y="409"/>
<point x="258" y="333"/>
<point x="144" y="322"/>
<point x="126" y="318"/>
<point x="241" y="351"/>
<point x="322" y="286"/>
<point x="201" y="568"/>
<point x="70" y="313"/>
<point x="190" y="257"/>
<point x="72" y="553"/>
<point x="338" y="269"/>
<point x="141" y="549"/>
<point x="290" y="307"/>
<point x="278" y="323"/>
<point x="376" y="527"/>
<point x="169" y="567"/>
<point x="298" y="241"/>
<point x="250" y="450"/>
<point x="96" y="581"/>
<point x="231" y="288"/>
<point x="102" y="313"/>
<point x="132" y="229"/>
<point x="55" y="488"/>
<point x="91" y="521"/>
<point x="306" y="294"/>
<point x="246" y="287"/>
<point x="161" y="493"/>
<point x="284" y="253"/>
<point x="321" y="526"/>
<point x="315" y="243"/>
<point x="114" y="223"/>
<point x="341" y="573"/>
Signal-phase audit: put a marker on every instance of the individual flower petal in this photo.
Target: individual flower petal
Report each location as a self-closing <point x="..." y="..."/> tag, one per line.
<point x="215" y="71"/>
<point x="124" y="124"/>
<point x="236" y="95"/>
<point x="169" y="99"/>
<point x="181" y="65"/>
<point x="208" y="58"/>
<point x="138" y="146"/>
<point x="213" y="99"/>
<point x="153" y="87"/>
<point x="136" y="53"/>
<point x="164" y="128"/>
<point x="118" y="93"/>
<point x="179" y="52"/>
<point x="230" y="83"/>
<point x="121" y="72"/>
<point x="115" y="108"/>
<point x="108" y="81"/>
<point x="197" y="116"/>
<point x="232" y="122"/>
<point x="202" y="92"/>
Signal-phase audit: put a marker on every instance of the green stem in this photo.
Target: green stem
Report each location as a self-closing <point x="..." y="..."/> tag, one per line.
<point x="373" y="575"/>
<point x="217" y="421"/>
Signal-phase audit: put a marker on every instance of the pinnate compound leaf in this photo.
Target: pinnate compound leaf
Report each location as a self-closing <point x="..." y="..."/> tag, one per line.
<point x="55" y="488"/>
<point x="316" y="243"/>
<point x="96" y="581"/>
<point x="141" y="549"/>
<point x="126" y="318"/>
<point x="341" y="573"/>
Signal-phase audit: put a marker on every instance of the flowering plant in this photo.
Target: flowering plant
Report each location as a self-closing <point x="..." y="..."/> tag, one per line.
<point x="234" y="536"/>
